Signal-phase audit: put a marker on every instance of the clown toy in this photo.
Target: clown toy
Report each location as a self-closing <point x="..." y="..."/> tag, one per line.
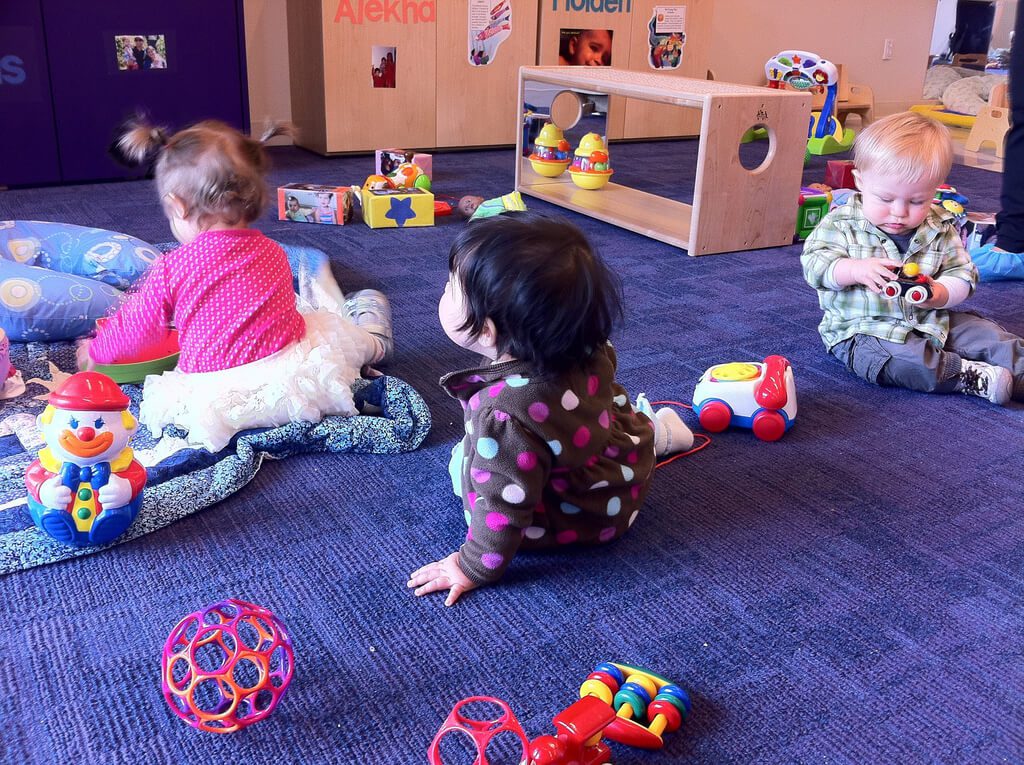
<point x="86" y="486"/>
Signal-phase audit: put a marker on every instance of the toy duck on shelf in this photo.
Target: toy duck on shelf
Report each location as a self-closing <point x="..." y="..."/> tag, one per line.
<point x="86" y="486"/>
<point x="590" y="168"/>
<point x="550" y="152"/>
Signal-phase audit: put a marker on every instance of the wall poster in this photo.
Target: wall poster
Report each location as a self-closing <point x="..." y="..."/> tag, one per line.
<point x="667" y="36"/>
<point x="490" y="24"/>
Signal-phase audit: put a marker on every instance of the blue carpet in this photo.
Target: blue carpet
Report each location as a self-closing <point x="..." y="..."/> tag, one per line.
<point x="850" y="594"/>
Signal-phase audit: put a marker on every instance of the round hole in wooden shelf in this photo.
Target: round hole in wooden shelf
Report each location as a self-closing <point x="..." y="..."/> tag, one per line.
<point x="757" y="147"/>
<point x="566" y="109"/>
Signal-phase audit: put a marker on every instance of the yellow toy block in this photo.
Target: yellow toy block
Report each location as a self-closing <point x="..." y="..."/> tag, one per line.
<point x="397" y="208"/>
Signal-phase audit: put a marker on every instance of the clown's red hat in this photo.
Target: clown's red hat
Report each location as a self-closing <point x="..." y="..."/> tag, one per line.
<point x="89" y="391"/>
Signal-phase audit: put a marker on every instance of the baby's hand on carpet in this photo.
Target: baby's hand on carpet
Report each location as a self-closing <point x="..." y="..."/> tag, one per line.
<point x="444" y="574"/>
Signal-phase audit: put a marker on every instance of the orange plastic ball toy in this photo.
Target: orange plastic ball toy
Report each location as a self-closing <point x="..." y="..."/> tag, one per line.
<point x="227" y="666"/>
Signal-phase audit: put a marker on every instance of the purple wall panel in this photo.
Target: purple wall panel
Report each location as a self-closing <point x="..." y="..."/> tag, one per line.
<point x="204" y="78"/>
<point x="28" y="143"/>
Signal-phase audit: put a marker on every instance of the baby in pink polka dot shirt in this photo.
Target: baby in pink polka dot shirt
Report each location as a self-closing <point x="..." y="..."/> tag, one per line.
<point x="249" y="356"/>
<point x="553" y="453"/>
<point x="228" y="293"/>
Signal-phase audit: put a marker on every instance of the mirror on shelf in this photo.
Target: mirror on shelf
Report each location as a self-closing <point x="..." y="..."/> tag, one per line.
<point x="575" y="112"/>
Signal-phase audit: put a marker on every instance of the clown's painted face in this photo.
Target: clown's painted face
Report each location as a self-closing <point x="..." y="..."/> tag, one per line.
<point x="85" y="437"/>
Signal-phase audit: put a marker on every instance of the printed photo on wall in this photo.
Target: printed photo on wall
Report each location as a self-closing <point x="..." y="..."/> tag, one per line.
<point x="490" y="23"/>
<point x="667" y="36"/>
<point x="135" y="52"/>
<point x="383" y="60"/>
<point x="585" y="47"/>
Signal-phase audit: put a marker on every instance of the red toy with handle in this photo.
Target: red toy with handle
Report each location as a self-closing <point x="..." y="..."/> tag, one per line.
<point x="756" y="395"/>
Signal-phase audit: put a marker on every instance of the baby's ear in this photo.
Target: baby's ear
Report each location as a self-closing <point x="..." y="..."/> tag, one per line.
<point x="176" y="207"/>
<point x="488" y="337"/>
<point x="856" y="180"/>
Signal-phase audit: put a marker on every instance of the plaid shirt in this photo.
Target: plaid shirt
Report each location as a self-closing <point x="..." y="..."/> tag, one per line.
<point x="855" y="310"/>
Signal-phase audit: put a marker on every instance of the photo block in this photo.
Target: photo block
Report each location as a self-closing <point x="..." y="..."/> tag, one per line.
<point x="139" y="52"/>
<point x="314" y="203"/>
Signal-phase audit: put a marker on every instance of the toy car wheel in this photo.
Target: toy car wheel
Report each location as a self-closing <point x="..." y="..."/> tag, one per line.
<point x="917" y="295"/>
<point x="891" y="290"/>
<point x="769" y="425"/>
<point x="715" y="416"/>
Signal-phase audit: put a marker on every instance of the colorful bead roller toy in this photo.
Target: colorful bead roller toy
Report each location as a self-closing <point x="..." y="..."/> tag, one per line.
<point x="227" y="666"/>
<point x="638" y="696"/>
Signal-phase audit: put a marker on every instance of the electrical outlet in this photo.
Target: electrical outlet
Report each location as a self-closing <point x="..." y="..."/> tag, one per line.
<point x="887" y="49"/>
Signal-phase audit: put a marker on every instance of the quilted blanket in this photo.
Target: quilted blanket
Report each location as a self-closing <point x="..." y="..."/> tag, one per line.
<point x="182" y="479"/>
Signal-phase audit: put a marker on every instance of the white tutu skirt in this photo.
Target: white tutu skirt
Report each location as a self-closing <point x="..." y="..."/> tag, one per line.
<point x="302" y="382"/>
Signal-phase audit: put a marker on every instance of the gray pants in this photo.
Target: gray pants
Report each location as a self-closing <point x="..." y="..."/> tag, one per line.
<point x="918" y="364"/>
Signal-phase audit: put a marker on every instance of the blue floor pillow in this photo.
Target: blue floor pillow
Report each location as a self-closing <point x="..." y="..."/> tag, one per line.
<point x="105" y="256"/>
<point x="57" y="279"/>
<point x="39" y="304"/>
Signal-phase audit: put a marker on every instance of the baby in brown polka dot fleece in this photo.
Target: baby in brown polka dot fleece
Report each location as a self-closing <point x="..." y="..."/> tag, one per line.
<point x="554" y="454"/>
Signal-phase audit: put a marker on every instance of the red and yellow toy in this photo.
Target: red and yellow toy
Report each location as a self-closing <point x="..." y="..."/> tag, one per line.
<point x="578" y="736"/>
<point x="749" y="394"/>
<point x="550" y="154"/>
<point x="590" y="169"/>
<point x="624" y="704"/>
<point x="86" y="486"/>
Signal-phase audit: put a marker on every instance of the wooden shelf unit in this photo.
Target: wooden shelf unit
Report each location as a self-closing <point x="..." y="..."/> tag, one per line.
<point x="733" y="208"/>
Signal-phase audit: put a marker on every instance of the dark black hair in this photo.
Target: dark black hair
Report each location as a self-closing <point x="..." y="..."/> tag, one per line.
<point x="553" y="301"/>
